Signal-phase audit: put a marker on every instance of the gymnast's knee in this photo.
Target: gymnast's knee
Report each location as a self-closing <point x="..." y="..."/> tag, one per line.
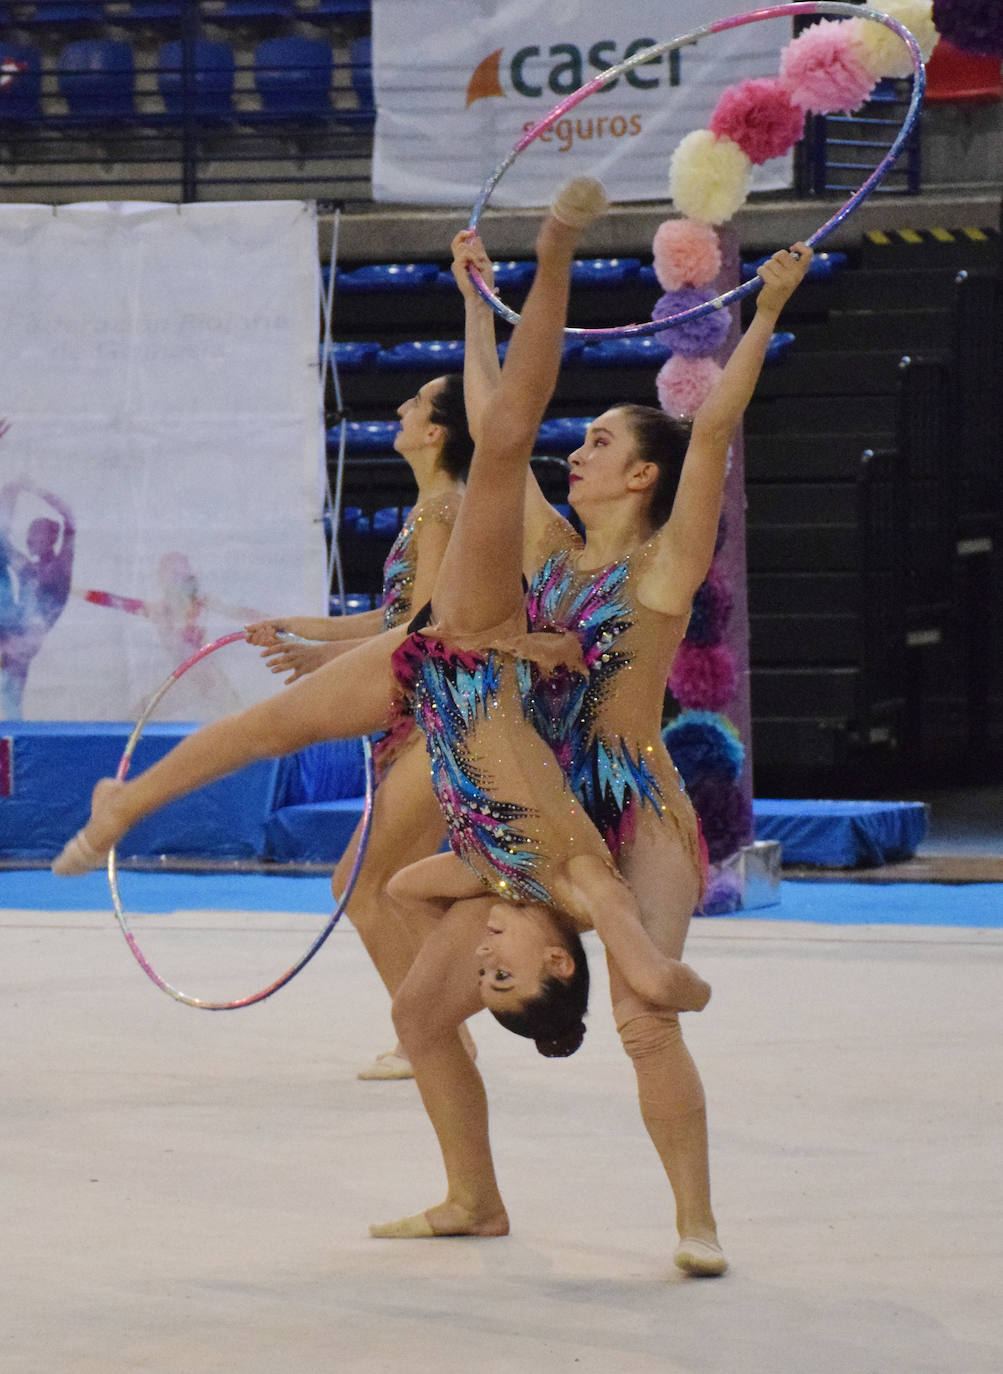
<point x="646" y="1031"/>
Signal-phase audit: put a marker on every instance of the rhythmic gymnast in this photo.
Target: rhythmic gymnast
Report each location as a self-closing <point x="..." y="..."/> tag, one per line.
<point x="407" y="824"/>
<point x="650" y="503"/>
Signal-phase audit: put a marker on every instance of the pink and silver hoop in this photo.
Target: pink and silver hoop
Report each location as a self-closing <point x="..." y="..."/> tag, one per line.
<point x="120" y="915"/>
<point x="830" y="7"/>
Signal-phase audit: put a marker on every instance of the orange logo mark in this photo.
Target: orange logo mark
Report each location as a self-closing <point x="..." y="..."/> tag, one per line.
<point x="485" y="81"/>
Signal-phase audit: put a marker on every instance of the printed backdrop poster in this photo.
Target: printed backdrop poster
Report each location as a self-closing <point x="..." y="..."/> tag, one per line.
<point x="459" y="81"/>
<point x="161" y="448"/>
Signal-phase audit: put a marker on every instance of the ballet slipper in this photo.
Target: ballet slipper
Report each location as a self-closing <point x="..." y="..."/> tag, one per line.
<point x="579" y="202"/>
<point x="450" y="1220"/>
<point x="701" y="1258"/>
<point x="78" y="857"/>
<point x="405" y="1228"/>
<point x="388" y="1065"/>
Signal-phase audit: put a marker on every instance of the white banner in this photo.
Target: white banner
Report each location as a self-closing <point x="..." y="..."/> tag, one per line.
<point x="161" y="454"/>
<point x="458" y="82"/>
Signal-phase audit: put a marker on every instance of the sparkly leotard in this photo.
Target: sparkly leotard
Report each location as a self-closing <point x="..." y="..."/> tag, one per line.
<point x="399" y="571"/>
<point x="512" y="817"/>
<point x="604" y="725"/>
<point x="402" y="561"/>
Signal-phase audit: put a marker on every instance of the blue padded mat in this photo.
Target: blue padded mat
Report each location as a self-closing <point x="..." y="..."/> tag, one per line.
<point x="841" y="834"/>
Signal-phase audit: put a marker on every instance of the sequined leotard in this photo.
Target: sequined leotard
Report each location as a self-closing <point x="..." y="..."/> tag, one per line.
<point x="399" y="571"/>
<point x="511" y="816"/>
<point x="604" y="725"/>
<point x="401" y="562"/>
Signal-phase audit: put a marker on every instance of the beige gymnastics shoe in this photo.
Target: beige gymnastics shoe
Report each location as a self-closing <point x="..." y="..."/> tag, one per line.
<point x="579" y="202"/>
<point x="387" y="1065"/>
<point x="701" y="1258"/>
<point x="77" y="857"/>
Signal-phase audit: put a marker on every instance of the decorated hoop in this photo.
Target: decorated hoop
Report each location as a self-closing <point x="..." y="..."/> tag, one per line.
<point x="120" y="915"/>
<point x="832" y="7"/>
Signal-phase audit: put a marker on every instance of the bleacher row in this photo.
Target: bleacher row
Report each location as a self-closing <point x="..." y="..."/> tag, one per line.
<point x="62" y="14"/>
<point x="99" y="79"/>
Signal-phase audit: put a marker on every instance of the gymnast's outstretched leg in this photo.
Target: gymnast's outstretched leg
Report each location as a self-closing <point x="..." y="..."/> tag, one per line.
<point x="349" y="697"/>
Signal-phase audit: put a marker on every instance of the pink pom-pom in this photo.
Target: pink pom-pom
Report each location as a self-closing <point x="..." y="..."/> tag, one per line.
<point x="686" y="253"/>
<point x="703" y="678"/>
<point x="760" y="117"/>
<point x="823" y="71"/>
<point x="708" y="177"/>
<point x="683" y="384"/>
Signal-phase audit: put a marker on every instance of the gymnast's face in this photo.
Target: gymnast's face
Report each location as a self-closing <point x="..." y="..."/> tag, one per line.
<point x="522" y="945"/>
<point x="418" y="429"/>
<point x="607" y="466"/>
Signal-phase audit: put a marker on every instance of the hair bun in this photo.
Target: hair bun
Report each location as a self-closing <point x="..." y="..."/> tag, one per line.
<point x="560" y="1046"/>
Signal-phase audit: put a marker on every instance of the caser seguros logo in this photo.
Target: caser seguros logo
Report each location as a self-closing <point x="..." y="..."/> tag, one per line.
<point x="533" y="73"/>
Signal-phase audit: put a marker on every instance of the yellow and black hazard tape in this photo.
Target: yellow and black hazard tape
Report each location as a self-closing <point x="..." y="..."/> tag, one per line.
<point x="967" y="234"/>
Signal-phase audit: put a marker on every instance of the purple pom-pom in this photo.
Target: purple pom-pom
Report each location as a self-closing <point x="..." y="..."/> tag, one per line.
<point x="974" y="26"/>
<point x="725" y="816"/>
<point x="723" y="893"/>
<point x="692" y="338"/>
<point x="711" y="609"/>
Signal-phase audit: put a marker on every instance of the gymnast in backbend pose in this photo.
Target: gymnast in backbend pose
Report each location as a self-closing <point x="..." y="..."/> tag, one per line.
<point x="649" y="497"/>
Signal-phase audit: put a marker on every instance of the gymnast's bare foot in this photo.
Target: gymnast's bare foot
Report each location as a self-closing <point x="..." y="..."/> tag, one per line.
<point x="89" y="847"/>
<point x="448" y="1219"/>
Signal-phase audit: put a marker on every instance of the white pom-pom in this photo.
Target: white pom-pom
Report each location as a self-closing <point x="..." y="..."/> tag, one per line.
<point x="708" y="177"/>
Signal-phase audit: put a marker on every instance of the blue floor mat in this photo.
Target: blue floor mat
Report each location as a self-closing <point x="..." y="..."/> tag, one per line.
<point x="973" y="905"/>
<point x="39" y="890"/>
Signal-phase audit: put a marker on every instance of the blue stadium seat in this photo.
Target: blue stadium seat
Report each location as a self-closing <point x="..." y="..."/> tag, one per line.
<point x="823" y="265"/>
<point x="571" y="350"/>
<point x="604" y="271"/>
<point x="212" y="84"/>
<point x="509" y="276"/>
<point x="258" y="9"/>
<point x="352" y="604"/>
<point x="366" y="436"/>
<point x="151" y="11"/>
<point x="337" y="9"/>
<point x="293" y="76"/>
<point x="353" y="356"/>
<point x="96" y="78"/>
<point x="779" y="346"/>
<point x="561" y="436"/>
<point x="396" y="276"/>
<point x="389" y="520"/>
<point x="647" y="351"/>
<point x="65" y="13"/>
<point x="20" y="81"/>
<point x="360" y="55"/>
<point x="437" y="355"/>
